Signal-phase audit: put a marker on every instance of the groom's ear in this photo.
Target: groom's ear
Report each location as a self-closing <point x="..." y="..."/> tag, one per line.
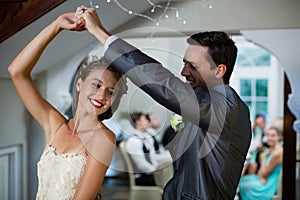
<point x="220" y="71"/>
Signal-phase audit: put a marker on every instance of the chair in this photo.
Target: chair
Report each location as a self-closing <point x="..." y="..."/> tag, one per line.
<point x="163" y="174"/>
<point x="278" y="195"/>
<point x="138" y="192"/>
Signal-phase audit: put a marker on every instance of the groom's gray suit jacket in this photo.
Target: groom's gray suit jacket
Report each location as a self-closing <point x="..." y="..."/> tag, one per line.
<point x="210" y="151"/>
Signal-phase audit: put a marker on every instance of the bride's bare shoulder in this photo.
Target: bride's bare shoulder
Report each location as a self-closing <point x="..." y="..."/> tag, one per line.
<point x="109" y="134"/>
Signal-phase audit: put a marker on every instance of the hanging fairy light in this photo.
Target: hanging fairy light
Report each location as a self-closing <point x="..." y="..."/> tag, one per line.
<point x="167" y="11"/>
<point x="94" y="5"/>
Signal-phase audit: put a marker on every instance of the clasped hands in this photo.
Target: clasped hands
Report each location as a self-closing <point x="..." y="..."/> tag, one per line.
<point x="84" y="18"/>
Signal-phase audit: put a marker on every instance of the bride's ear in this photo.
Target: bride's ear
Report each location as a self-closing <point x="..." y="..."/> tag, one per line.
<point x="78" y="84"/>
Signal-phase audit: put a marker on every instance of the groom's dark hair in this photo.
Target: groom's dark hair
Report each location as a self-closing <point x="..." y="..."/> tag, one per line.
<point x="221" y="49"/>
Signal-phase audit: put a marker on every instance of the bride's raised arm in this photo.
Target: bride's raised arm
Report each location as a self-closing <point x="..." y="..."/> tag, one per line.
<point x="21" y="67"/>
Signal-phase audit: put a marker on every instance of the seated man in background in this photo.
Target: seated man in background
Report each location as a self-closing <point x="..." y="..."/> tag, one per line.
<point x="258" y="130"/>
<point x="258" y="141"/>
<point x="153" y="129"/>
<point x="156" y="132"/>
<point x="143" y="153"/>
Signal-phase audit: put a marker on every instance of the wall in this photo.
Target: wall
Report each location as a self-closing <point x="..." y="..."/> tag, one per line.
<point x="18" y="128"/>
<point x="14" y="123"/>
<point x="12" y="114"/>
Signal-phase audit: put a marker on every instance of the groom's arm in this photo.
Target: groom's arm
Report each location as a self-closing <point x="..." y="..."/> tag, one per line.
<point x="147" y="73"/>
<point x="163" y="86"/>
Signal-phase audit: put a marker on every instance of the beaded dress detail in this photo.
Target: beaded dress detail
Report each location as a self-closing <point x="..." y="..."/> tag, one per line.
<point x="59" y="174"/>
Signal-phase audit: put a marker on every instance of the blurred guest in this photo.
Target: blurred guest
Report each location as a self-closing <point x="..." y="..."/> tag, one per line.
<point x="263" y="184"/>
<point x="258" y="140"/>
<point x="153" y="129"/>
<point x="144" y="151"/>
<point x="258" y="130"/>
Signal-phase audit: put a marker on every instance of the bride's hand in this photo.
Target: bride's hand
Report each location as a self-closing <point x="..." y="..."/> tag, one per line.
<point x="88" y="18"/>
<point x="68" y="21"/>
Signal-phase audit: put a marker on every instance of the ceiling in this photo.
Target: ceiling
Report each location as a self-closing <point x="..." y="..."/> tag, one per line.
<point x="16" y="14"/>
<point x="21" y="20"/>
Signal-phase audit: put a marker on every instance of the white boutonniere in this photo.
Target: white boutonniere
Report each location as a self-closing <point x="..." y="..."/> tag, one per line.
<point x="177" y="122"/>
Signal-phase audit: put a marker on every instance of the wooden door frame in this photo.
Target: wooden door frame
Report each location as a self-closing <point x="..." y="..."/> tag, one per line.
<point x="289" y="152"/>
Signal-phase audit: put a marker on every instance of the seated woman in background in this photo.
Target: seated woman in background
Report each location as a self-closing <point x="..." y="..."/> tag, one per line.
<point x="263" y="184"/>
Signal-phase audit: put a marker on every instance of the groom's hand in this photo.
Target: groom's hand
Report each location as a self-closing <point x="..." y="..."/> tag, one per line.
<point x="89" y="19"/>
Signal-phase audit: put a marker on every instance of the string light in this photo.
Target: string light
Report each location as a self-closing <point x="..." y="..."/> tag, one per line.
<point x="167" y="11"/>
<point x="94" y="5"/>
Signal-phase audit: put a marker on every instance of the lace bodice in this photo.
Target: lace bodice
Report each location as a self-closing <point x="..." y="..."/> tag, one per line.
<point x="59" y="174"/>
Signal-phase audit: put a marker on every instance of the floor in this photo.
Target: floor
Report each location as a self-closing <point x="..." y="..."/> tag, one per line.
<point x="116" y="188"/>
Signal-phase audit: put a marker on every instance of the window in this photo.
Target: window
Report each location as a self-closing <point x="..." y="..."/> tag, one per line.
<point x="255" y="94"/>
<point x="253" y="56"/>
<point x="258" y="78"/>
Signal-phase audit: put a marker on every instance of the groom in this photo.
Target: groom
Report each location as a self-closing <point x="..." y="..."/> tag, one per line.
<point x="210" y="150"/>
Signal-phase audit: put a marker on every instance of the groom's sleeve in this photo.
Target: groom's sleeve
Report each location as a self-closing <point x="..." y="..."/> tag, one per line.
<point x="124" y="56"/>
<point x="149" y="75"/>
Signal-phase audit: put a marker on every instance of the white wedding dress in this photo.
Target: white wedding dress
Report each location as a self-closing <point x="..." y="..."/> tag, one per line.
<point x="59" y="174"/>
